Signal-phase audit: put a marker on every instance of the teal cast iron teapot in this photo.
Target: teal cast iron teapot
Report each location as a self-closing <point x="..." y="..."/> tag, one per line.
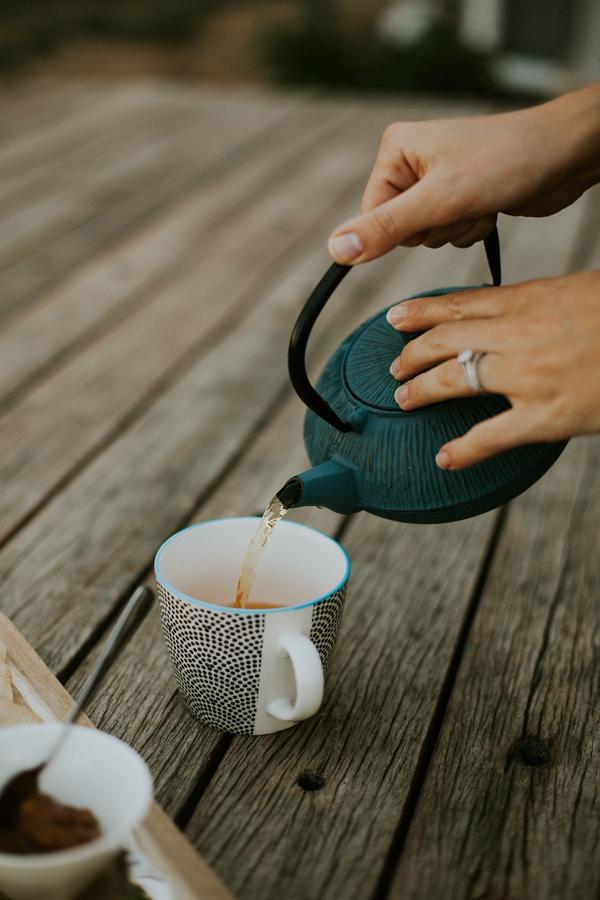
<point x="369" y="454"/>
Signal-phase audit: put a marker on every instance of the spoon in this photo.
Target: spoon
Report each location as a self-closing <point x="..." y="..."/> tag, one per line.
<point x="25" y="783"/>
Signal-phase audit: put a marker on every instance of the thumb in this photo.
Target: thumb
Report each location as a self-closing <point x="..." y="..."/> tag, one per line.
<point x="384" y="227"/>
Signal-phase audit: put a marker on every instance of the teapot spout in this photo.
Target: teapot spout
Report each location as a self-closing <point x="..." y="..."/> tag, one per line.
<point x="330" y="484"/>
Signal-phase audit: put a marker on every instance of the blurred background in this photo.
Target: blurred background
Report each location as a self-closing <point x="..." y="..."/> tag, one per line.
<point x="527" y="48"/>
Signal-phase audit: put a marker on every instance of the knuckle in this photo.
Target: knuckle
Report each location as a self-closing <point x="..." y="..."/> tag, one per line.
<point x="384" y="223"/>
<point x="414" y="390"/>
<point x="447" y="376"/>
<point x="415" y="310"/>
<point x="390" y="133"/>
<point x="487" y="444"/>
<point x="405" y="359"/>
<point x="456" y="305"/>
<point x="436" y="340"/>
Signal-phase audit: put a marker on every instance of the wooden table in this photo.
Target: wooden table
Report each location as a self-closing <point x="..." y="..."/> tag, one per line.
<point x="157" y="241"/>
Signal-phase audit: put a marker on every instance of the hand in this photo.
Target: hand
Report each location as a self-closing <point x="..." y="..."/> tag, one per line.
<point x="445" y="181"/>
<point x="541" y="341"/>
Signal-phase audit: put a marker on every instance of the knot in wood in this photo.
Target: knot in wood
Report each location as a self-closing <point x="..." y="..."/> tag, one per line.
<point x="310" y="781"/>
<point x="532" y="751"/>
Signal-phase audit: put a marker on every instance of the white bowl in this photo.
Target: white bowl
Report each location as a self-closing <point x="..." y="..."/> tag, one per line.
<point x="92" y="770"/>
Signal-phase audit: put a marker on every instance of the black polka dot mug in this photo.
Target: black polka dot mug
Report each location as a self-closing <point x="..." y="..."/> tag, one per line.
<point x="253" y="670"/>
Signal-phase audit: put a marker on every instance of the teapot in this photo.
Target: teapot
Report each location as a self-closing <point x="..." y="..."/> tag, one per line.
<point x="368" y="454"/>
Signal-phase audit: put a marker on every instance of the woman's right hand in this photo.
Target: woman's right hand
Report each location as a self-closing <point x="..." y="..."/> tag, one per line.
<point x="445" y="181"/>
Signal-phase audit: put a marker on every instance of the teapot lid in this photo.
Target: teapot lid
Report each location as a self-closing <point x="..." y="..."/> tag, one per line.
<point x="366" y="372"/>
<point x="370" y="352"/>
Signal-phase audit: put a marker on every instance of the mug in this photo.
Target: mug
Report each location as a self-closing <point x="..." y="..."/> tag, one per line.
<point x="251" y="671"/>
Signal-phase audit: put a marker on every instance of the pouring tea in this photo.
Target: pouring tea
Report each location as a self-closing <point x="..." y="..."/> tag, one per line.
<point x="368" y="454"/>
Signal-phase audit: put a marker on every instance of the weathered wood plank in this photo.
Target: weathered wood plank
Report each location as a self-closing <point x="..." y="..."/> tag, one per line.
<point x="36" y="104"/>
<point x="85" y="402"/>
<point x="118" y="281"/>
<point x="120" y="278"/>
<point x="125" y="195"/>
<point x="22" y="160"/>
<point x="157" y="134"/>
<point x="510" y="806"/>
<point x="143" y="717"/>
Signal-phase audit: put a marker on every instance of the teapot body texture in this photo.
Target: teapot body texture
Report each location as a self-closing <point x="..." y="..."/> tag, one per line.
<point x="385" y="462"/>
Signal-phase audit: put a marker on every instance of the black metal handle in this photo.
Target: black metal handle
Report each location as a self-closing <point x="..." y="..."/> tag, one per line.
<point x="310" y="313"/>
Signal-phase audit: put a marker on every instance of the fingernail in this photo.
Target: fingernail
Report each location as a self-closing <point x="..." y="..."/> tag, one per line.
<point x="443" y="459"/>
<point x="345" y="247"/>
<point x="396" y="314"/>
<point x="401" y="394"/>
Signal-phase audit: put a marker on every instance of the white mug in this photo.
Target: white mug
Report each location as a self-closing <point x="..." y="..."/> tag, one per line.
<point x="251" y="671"/>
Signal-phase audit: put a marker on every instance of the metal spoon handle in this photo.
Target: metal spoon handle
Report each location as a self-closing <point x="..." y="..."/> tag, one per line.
<point x="132" y="615"/>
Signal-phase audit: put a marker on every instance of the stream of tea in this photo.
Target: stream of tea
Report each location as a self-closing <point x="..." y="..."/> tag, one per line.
<point x="273" y="514"/>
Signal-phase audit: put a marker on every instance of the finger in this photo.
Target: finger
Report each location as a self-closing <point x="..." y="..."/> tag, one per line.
<point x="508" y="429"/>
<point x="391" y="174"/>
<point x="386" y="226"/>
<point x="448" y="380"/>
<point x="447" y="341"/>
<point x="478" y="231"/>
<point x="427" y="312"/>
<point x="445" y="234"/>
<point x="378" y="190"/>
<point x="385" y="183"/>
<point x="460" y="234"/>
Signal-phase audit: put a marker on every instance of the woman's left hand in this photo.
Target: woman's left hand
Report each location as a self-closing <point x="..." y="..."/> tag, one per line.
<point x="541" y="341"/>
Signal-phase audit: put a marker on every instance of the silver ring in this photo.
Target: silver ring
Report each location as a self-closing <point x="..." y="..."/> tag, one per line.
<point x="469" y="360"/>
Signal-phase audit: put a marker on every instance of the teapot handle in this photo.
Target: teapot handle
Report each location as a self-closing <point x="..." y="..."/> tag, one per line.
<point x="310" y="313"/>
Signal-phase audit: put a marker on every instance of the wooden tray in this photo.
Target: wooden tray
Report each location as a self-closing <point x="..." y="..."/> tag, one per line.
<point x="158" y="839"/>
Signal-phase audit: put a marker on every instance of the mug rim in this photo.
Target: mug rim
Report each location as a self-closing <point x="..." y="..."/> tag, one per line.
<point x="204" y="604"/>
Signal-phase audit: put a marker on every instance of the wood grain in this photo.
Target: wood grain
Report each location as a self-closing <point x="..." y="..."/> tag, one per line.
<point x="37" y="105"/>
<point x="510" y="807"/>
<point x="124" y="196"/>
<point x="117" y="282"/>
<point x="159" y="136"/>
<point x="81" y="406"/>
<point x="29" y="169"/>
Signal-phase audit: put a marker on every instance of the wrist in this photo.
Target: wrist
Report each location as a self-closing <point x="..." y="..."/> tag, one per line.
<point x="571" y="128"/>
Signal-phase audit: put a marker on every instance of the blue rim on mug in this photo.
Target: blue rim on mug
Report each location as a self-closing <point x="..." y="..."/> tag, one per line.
<point x="204" y="604"/>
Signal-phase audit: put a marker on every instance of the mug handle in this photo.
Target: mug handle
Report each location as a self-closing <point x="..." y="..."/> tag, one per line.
<point x="308" y="675"/>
